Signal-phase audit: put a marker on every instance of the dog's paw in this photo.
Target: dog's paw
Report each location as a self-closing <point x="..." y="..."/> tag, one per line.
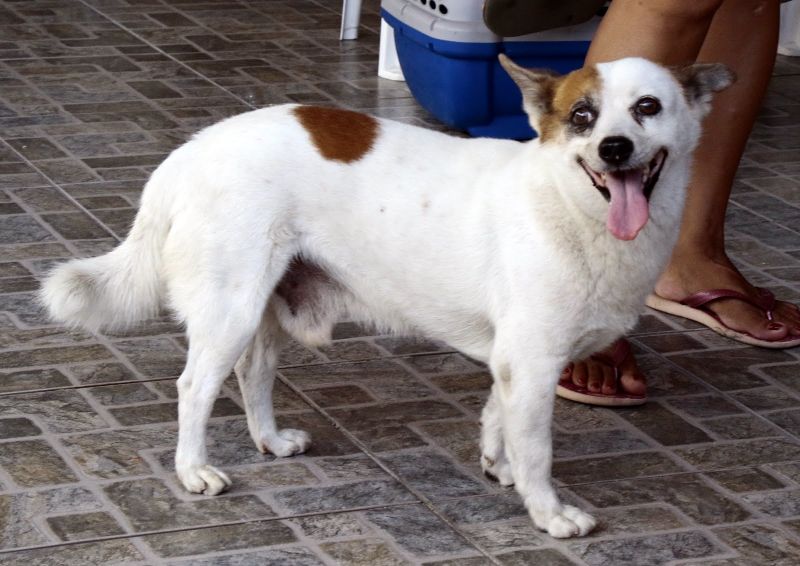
<point x="287" y="442"/>
<point x="499" y="471"/>
<point x="204" y="479"/>
<point x="569" y="522"/>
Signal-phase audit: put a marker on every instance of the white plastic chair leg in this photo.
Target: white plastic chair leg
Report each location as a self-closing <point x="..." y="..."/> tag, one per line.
<point x="388" y="65"/>
<point x="351" y="15"/>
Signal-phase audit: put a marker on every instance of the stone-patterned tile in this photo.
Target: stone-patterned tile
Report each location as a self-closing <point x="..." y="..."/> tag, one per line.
<point x="18" y="428"/>
<point x="22" y="229"/>
<point x="463" y="383"/>
<point x="740" y="427"/>
<point x="275" y="475"/>
<point x="573" y="445"/>
<point x="349" y="350"/>
<point x="21" y="514"/>
<point x="154" y="357"/>
<point x="167" y="412"/>
<point x="118" y="453"/>
<point x="663" y="425"/>
<point x="433" y="475"/>
<point x="84" y="526"/>
<point x="363" y="552"/>
<point x="386" y="426"/>
<point x="761" y="544"/>
<point x="664" y="380"/>
<point x="442" y="363"/>
<point x="668" y="343"/>
<point x="745" y="479"/>
<point x="343" y="496"/>
<point x="622" y="466"/>
<point x="705" y="406"/>
<point x="790" y="470"/>
<point x="483" y="510"/>
<point x="501" y="536"/>
<point x="766" y="399"/>
<point x="102" y="552"/>
<point x="636" y="520"/>
<point x="785" y="374"/>
<point x="54" y="356"/>
<point x="776" y="503"/>
<point x="727" y="369"/>
<point x="149" y="505"/>
<point x="299" y="556"/>
<point x="402" y="345"/>
<point x="787" y="420"/>
<point x="687" y="492"/>
<point x="58" y="411"/>
<point x="338" y="396"/>
<point x="33" y="463"/>
<point x="544" y="557"/>
<point x="576" y="417"/>
<point x="648" y="550"/>
<point x="122" y="394"/>
<point x="349" y="468"/>
<point x="745" y="453"/>
<point x="333" y="526"/>
<point x="471" y="561"/>
<point x="223" y="538"/>
<point x="419" y="532"/>
<point x="32" y="379"/>
<point x="45" y="199"/>
<point x="383" y="379"/>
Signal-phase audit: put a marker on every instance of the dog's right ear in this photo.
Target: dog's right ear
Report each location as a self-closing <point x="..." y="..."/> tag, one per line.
<point x="538" y="88"/>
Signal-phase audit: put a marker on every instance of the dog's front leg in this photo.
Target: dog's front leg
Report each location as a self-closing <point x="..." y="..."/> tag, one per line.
<point x="525" y="381"/>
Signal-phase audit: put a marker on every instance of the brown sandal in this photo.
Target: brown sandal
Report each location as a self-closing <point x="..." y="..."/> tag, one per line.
<point x="567" y="389"/>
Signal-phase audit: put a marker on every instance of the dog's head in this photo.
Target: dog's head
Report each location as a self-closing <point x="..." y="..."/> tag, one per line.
<point x="620" y="122"/>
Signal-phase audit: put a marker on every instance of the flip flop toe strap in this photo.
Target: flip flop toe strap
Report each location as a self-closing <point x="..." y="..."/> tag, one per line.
<point x="621" y="350"/>
<point x="700" y="300"/>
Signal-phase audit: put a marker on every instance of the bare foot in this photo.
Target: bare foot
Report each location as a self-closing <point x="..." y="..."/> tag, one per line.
<point x="687" y="274"/>
<point x="597" y="375"/>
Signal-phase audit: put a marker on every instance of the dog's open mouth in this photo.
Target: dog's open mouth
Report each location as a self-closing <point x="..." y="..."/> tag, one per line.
<point x="628" y="192"/>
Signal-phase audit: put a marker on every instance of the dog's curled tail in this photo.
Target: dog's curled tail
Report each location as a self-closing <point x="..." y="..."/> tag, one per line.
<point x="114" y="290"/>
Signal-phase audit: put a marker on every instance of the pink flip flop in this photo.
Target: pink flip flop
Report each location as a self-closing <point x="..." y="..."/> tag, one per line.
<point x="695" y="307"/>
<point x="568" y="390"/>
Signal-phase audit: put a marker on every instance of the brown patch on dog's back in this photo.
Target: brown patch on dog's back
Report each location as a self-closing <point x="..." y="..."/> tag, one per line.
<point x="339" y="135"/>
<point x="583" y="83"/>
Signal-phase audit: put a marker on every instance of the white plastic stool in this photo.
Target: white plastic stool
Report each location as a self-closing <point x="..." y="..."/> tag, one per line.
<point x="388" y="65"/>
<point x="351" y="15"/>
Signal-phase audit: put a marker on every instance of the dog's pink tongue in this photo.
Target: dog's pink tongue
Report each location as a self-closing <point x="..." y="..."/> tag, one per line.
<point x="629" y="210"/>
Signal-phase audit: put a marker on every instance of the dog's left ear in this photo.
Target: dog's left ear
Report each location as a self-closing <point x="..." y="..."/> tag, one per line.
<point x="537" y="86"/>
<point x="701" y="80"/>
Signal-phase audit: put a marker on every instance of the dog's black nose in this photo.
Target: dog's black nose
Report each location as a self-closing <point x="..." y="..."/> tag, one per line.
<point x="615" y="150"/>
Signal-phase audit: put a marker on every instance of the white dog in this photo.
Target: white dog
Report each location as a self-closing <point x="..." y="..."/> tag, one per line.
<point x="280" y="221"/>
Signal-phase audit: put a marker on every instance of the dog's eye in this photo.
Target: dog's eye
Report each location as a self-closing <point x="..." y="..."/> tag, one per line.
<point x="648" y="106"/>
<point x="582" y="116"/>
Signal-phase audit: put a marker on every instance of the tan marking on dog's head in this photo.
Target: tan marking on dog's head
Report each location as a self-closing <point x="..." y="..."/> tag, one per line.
<point x="583" y="84"/>
<point x="549" y="98"/>
<point x="339" y="135"/>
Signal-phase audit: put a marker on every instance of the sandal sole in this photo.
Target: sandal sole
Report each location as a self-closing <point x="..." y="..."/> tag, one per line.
<point x="676" y="309"/>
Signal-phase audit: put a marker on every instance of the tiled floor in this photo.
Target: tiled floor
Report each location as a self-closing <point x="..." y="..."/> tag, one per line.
<point x="93" y="95"/>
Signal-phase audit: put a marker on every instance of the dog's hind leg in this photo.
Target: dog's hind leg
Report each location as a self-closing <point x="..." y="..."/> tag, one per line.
<point x="494" y="461"/>
<point x="525" y="379"/>
<point x="223" y="309"/>
<point x="255" y="371"/>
